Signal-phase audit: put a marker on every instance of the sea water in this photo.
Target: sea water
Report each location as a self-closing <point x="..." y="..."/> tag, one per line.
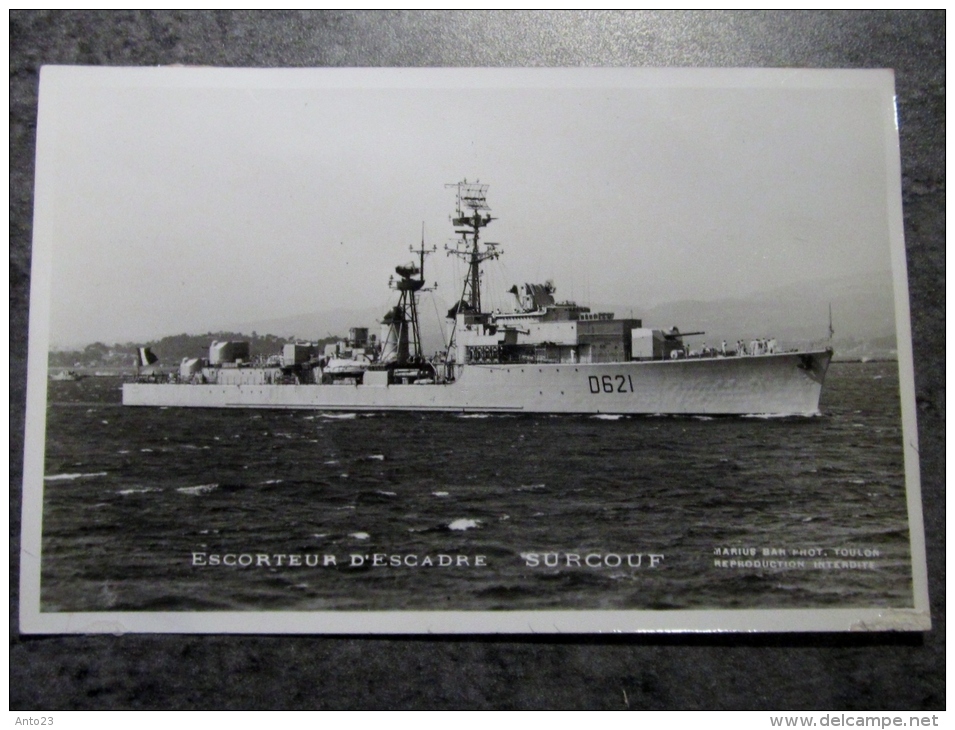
<point x="200" y="509"/>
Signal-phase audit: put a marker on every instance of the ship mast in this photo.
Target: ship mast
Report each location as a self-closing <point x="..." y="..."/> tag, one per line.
<point x="405" y="315"/>
<point x="468" y="222"/>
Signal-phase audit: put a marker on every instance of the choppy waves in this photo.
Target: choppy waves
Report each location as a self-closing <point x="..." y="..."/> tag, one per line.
<point x="128" y="501"/>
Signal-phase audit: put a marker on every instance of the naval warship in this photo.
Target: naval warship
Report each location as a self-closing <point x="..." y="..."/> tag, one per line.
<point x="544" y="356"/>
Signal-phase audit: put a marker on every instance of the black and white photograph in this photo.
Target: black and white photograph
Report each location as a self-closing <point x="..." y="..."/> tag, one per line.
<point x="417" y="351"/>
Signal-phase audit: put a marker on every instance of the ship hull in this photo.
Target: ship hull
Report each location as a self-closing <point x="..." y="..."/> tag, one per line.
<point x="778" y="384"/>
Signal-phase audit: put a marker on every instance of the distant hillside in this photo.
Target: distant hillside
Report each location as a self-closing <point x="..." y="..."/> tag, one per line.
<point x="863" y="317"/>
<point x="315" y="325"/>
<point x="170" y="350"/>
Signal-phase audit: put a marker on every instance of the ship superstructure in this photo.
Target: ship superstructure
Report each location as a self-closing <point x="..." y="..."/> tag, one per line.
<point x="543" y="356"/>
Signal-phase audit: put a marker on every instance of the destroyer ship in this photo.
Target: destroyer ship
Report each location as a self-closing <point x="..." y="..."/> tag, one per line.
<point x="544" y="356"/>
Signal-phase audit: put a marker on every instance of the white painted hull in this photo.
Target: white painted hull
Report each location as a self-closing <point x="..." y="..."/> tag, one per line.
<point x="779" y="384"/>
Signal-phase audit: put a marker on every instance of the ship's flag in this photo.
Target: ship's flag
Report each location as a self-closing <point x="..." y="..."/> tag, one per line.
<point x="146" y="357"/>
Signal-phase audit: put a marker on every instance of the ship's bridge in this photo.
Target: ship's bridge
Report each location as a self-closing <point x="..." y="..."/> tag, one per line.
<point x="556" y="334"/>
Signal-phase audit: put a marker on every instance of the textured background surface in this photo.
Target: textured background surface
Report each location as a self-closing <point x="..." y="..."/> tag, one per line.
<point x="690" y="672"/>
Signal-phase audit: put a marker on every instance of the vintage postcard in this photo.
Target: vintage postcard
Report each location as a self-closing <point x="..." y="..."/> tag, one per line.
<point x="462" y="351"/>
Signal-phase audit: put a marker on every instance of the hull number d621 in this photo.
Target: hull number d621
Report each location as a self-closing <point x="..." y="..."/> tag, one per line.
<point x="610" y="383"/>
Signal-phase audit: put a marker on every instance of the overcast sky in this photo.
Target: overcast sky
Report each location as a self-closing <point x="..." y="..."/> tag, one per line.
<point x="187" y="200"/>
